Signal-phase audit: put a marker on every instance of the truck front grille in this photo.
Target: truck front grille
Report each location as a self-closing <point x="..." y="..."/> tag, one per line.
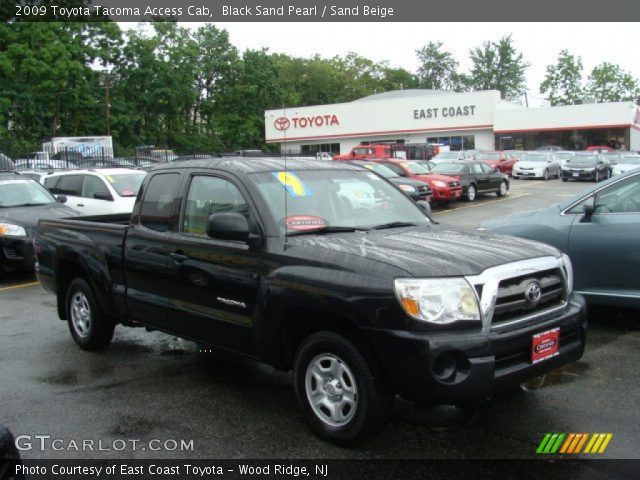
<point x="512" y="302"/>
<point x="523" y="292"/>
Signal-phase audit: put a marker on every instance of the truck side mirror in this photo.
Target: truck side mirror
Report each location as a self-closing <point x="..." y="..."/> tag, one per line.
<point x="230" y="226"/>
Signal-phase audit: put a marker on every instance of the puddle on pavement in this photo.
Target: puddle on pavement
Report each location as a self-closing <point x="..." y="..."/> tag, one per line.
<point x="67" y="377"/>
<point x="175" y="347"/>
<point x="563" y="375"/>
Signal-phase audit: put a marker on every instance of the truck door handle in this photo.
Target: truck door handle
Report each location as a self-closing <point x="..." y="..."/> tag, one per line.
<point x="178" y="257"/>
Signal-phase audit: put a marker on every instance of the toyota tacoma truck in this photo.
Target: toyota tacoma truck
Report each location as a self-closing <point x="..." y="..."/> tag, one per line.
<point x="325" y="269"/>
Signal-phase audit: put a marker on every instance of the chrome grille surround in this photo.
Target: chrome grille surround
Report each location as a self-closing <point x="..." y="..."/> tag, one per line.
<point x="487" y="284"/>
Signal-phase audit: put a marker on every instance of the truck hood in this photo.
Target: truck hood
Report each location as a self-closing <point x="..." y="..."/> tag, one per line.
<point x="424" y="251"/>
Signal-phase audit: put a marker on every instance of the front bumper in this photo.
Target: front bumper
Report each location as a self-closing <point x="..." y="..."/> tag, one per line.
<point x="569" y="175"/>
<point x="447" y="193"/>
<point x="486" y="362"/>
<point x="16" y="253"/>
<point x="527" y="174"/>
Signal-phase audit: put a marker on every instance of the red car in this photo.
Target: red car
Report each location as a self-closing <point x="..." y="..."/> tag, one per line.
<point x="503" y="161"/>
<point x="445" y="189"/>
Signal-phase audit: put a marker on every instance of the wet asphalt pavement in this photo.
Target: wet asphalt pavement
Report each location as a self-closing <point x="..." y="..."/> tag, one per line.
<point x="150" y="386"/>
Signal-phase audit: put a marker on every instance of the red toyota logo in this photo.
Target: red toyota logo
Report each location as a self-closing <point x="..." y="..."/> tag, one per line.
<point x="281" y="123"/>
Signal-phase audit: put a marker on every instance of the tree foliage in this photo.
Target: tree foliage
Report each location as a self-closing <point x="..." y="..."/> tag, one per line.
<point x="563" y="80"/>
<point x="193" y="91"/>
<point x="608" y="82"/>
<point x="438" y="69"/>
<point x="498" y="66"/>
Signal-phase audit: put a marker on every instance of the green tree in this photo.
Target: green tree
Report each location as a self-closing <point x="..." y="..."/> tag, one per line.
<point x="47" y="84"/>
<point x="562" y="83"/>
<point x="608" y="82"/>
<point x="498" y="66"/>
<point x="438" y="69"/>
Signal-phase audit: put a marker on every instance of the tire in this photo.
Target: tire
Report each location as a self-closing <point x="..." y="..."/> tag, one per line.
<point x="502" y="191"/>
<point x="564" y="179"/>
<point x="545" y="175"/>
<point x="90" y="329"/>
<point x="472" y="193"/>
<point x="330" y="360"/>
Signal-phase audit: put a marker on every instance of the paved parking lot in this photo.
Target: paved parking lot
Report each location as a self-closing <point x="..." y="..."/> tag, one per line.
<point x="151" y="386"/>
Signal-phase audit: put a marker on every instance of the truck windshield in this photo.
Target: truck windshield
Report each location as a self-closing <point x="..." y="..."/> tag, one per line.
<point x="126" y="184"/>
<point x="325" y="199"/>
<point x="15" y="193"/>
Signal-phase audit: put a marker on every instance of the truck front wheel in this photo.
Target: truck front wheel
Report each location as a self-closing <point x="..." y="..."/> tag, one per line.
<point x="89" y="328"/>
<point x="340" y="389"/>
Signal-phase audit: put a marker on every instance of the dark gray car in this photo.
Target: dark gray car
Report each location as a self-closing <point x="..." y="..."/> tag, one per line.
<point x="599" y="230"/>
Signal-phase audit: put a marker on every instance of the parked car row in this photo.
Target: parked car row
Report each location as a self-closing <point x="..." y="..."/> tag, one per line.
<point x="448" y="181"/>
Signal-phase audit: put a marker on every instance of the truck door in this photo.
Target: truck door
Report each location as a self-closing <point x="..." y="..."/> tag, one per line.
<point x="213" y="282"/>
<point x="146" y="253"/>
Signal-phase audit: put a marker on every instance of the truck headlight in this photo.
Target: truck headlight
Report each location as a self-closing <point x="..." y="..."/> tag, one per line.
<point x="439" y="183"/>
<point x="437" y="300"/>
<point x="407" y="188"/>
<point x="9" y="230"/>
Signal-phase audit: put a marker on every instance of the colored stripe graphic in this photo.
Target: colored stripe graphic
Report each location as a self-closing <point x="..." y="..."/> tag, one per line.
<point x="572" y="443"/>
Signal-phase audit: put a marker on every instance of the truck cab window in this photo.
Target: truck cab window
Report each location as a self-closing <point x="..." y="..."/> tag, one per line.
<point x="155" y="210"/>
<point x="209" y="195"/>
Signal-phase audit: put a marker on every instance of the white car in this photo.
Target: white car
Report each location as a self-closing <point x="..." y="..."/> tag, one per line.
<point x="452" y="156"/>
<point x="97" y="191"/>
<point x="539" y="164"/>
<point x="626" y="163"/>
<point x="564" y="156"/>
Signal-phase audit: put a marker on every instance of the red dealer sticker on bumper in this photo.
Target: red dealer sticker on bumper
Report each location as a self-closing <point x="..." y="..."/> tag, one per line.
<point x="545" y="345"/>
<point x="304" y="222"/>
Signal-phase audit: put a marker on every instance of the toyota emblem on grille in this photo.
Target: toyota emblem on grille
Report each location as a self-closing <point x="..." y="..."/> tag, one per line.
<point x="533" y="293"/>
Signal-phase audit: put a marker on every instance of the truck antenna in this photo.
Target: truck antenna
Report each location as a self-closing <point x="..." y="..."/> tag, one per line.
<point x="286" y="174"/>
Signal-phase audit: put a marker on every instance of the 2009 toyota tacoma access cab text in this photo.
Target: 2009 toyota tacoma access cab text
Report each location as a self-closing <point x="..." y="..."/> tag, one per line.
<point x="325" y="269"/>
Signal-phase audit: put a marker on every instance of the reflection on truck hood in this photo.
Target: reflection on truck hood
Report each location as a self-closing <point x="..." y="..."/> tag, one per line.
<point x="428" y="251"/>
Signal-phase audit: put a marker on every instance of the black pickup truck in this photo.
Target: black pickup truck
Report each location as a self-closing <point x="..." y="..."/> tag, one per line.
<point x="325" y="269"/>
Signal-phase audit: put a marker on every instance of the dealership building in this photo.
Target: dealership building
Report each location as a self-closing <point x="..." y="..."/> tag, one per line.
<point x="463" y="121"/>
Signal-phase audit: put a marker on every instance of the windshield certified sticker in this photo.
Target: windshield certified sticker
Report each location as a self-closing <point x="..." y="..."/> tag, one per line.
<point x="303" y="222"/>
<point x="292" y="183"/>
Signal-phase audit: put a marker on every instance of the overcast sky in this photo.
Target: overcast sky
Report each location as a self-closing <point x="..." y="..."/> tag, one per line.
<point x="397" y="42"/>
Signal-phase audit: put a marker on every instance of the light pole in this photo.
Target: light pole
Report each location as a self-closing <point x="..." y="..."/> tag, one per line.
<point x="106" y="77"/>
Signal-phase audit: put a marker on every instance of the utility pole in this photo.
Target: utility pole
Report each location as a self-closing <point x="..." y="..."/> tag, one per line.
<point x="106" y="77"/>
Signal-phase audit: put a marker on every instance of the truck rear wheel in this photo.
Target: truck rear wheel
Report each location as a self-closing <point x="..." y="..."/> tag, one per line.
<point x="343" y="396"/>
<point x="90" y="329"/>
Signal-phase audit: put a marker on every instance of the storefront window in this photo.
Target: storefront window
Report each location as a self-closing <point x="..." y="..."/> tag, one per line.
<point x="466" y="142"/>
<point x="616" y="138"/>
<point x="332" y="148"/>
